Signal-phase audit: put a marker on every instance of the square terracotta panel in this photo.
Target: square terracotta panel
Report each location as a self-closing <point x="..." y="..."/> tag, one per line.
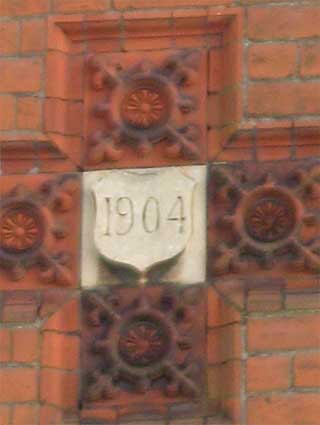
<point x="142" y="344"/>
<point x="39" y="229"/>
<point x="145" y="109"/>
<point x="264" y="218"/>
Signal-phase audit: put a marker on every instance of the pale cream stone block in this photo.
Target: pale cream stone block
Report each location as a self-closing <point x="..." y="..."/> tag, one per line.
<point x="141" y="219"/>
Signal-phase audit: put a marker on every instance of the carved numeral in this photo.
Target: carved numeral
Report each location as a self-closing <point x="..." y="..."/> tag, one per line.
<point x="120" y="215"/>
<point x="124" y="209"/>
<point x="151" y="215"/>
<point x="108" y="211"/>
<point x="177" y="213"/>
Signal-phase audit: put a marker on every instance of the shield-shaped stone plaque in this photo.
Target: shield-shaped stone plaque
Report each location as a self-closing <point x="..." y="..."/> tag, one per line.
<point x="143" y="217"/>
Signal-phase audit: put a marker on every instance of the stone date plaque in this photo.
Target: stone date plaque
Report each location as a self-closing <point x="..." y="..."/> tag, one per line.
<point x="142" y="218"/>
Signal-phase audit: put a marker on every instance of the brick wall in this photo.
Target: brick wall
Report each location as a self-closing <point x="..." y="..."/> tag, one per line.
<point x="281" y="69"/>
<point x="263" y="345"/>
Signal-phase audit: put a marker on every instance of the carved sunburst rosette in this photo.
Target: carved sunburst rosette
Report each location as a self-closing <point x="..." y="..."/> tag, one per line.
<point x="271" y="218"/>
<point x="266" y="217"/>
<point x="144" y="104"/>
<point x="21" y="227"/>
<point x="138" y="342"/>
<point x="30" y="229"/>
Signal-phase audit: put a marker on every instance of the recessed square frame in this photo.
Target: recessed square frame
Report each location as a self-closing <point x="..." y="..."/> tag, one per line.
<point x="71" y="38"/>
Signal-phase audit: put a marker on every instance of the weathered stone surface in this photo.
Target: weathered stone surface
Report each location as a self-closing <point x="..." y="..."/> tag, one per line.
<point x="141" y="220"/>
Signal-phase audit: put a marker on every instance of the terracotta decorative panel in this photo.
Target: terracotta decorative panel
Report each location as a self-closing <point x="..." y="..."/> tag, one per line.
<point x="139" y="227"/>
<point x="145" y="111"/>
<point x="142" y="343"/>
<point x="265" y="217"/>
<point x="39" y="224"/>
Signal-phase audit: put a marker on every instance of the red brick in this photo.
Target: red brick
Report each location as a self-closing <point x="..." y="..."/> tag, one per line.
<point x="141" y="4"/>
<point x="273" y="134"/>
<point x="264" y="300"/>
<point x="4" y="415"/>
<point x="219" y="312"/>
<point x="103" y="415"/>
<point x="8" y="37"/>
<point x="310" y="60"/>
<point x="56" y="111"/>
<point x="224" y="379"/>
<point x="53" y="299"/>
<point x="307" y="151"/>
<point x="19" y="166"/>
<point x="60" y="351"/>
<point x="18" y="385"/>
<point x="80" y="5"/>
<point x="7" y="112"/>
<point x="288" y="409"/>
<point x="225" y="108"/>
<point x="23" y="7"/>
<point x="259" y="377"/>
<point x="272" y="60"/>
<point x="27" y="415"/>
<point x="252" y="2"/>
<point x="285" y="23"/>
<point x="19" y="307"/>
<point x="284" y="98"/>
<point x="54" y="165"/>
<point x="231" y="378"/>
<point x="59" y="388"/>
<point x="56" y="74"/>
<point x="232" y="408"/>
<point x="303" y="301"/>
<point x="20" y="75"/>
<point x="5" y="345"/>
<point x="284" y="333"/>
<point x="75" y="78"/>
<point x="235" y="154"/>
<point x="232" y="69"/>
<point x="215" y="83"/>
<point x="66" y="319"/>
<point x="273" y="153"/>
<point x="25" y="345"/>
<point x="33" y="35"/>
<point x="307" y="370"/>
<point x="50" y="416"/>
<point x="29" y="113"/>
<point x="224" y="343"/>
